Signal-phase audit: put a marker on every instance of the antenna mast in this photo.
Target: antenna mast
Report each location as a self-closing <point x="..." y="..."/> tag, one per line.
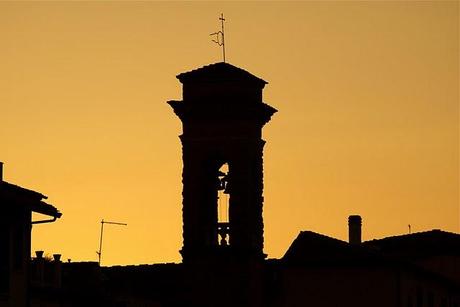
<point x="99" y="253"/>
<point x="220" y="34"/>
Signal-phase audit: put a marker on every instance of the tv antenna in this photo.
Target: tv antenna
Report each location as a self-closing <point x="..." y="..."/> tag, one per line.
<point x="220" y="36"/>
<point x="99" y="253"/>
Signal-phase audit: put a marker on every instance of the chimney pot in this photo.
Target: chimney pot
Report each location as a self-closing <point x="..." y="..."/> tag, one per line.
<point x="39" y="254"/>
<point x="354" y="229"/>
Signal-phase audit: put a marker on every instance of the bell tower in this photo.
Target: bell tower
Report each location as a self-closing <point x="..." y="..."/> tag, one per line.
<point x="222" y="116"/>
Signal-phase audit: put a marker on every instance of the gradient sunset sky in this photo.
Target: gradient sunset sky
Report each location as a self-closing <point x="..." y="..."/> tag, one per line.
<point x="367" y="93"/>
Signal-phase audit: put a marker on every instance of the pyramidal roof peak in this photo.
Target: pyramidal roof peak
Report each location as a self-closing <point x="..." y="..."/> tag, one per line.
<point x="220" y="71"/>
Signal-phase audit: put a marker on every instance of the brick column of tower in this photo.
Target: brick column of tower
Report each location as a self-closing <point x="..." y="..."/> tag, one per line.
<point x="222" y="116"/>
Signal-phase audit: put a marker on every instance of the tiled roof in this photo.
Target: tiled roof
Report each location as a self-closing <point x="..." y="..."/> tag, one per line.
<point x="311" y="246"/>
<point x="419" y="244"/>
<point x="219" y="72"/>
<point x="6" y="187"/>
<point x="14" y="195"/>
<point x="46" y="209"/>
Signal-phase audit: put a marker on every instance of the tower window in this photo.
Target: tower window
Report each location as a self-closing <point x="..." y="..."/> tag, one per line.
<point x="223" y="225"/>
<point x="223" y="194"/>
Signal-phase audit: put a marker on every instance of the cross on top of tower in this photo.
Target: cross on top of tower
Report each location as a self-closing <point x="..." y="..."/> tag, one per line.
<point x="220" y="35"/>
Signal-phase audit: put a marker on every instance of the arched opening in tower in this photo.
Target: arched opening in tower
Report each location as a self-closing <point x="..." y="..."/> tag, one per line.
<point x="223" y="197"/>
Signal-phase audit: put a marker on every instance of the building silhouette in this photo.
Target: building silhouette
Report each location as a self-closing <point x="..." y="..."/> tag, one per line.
<point x="17" y="205"/>
<point x="223" y="113"/>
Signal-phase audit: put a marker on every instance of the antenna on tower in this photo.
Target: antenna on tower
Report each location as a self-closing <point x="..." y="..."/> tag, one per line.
<point x="220" y="36"/>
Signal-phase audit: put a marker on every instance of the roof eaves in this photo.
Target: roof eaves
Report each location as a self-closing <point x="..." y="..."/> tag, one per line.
<point x="213" y="69"/>
<point x="9" y="187"/>
<point x="46" y="209"/>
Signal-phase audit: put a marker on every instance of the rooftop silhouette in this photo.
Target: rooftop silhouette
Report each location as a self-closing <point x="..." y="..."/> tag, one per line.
<point x="224" y="264"/>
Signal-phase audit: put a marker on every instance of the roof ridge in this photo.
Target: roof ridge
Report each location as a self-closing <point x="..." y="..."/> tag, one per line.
<point x="320" y="235"/>
<point x="414" y="234"/>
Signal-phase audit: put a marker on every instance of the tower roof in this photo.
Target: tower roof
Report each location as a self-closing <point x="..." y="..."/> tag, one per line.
<point x="219" y="72"/>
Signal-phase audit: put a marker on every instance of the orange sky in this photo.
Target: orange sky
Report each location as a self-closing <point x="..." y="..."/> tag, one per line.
<point x="367" y="93"/>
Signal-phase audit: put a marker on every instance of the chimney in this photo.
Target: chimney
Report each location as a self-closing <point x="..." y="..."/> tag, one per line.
<point x="354" y="229"/>
<point x="1" y="171"/>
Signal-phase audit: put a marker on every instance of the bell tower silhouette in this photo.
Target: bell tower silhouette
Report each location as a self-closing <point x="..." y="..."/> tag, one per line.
<point x="222" y="116"/>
